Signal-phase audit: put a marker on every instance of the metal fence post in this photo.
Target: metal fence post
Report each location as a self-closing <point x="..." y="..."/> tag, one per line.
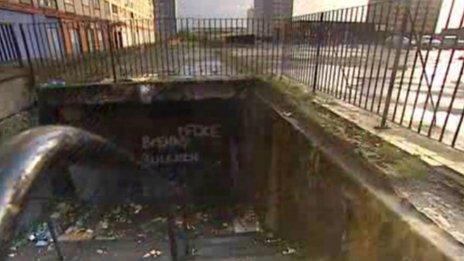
<point x="284" y="44"/>
<point x="406" y="7"/>
<point x="28" y="54"/>
<point x="318" y="51"/>
<point x="17" y="51"/>
<point x="112" y="53"/>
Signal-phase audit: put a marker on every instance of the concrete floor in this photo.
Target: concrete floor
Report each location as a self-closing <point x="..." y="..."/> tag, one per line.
<point x="210" y="238"/>
<point x="234" y="247"/>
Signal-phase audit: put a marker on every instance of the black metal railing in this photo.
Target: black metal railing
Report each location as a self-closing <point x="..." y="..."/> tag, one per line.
<point x="402" y="60"/>
<point x="10" y="54"/>
<point x="81" y="52"/>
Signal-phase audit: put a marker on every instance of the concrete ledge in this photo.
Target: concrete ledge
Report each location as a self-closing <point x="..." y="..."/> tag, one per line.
<point x="146" y="92"/>
<point x="432" y="152"/>
<point x="17" y="100"/>
<point x="18" y="122"/>
<point x="343" y="153"/>
<point x="15" y="92"/>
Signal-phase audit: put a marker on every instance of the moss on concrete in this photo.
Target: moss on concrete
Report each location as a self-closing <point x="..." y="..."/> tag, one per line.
<point x="309" y="199"/>
<point x="394" y="161"/>
<point x="17" y="123"/>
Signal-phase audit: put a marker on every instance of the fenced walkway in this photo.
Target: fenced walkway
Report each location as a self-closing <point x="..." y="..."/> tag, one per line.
<point x="401" y="60"/>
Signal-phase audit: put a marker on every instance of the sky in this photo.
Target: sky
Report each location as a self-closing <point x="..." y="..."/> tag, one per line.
<point x="238" y="8"/>
<point x="309" y="6"/>
<point x="213" y="8"/>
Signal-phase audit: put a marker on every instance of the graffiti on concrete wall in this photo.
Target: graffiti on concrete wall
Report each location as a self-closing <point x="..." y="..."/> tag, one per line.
<point x="178" y="147"/>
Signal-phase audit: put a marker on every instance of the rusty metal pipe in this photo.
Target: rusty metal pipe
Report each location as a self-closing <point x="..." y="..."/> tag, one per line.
<point x="27" y="156"/>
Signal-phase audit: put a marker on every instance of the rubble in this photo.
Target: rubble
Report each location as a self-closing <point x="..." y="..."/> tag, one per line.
<point x="73" y="234"/>
<point x="103" y="224"/>
<point x="247" y="223"/>
<point x="153" y="254"/>
<point x="288" y="114"/>
<point x="84" y="224"/>
<point x="289" y="251"/>
<point x="31" y="237"/>
<point x="13" y="253"/>
<point x="137" y="208"/>
<point x="40" y="235"/>
<point x="41" y="243"/>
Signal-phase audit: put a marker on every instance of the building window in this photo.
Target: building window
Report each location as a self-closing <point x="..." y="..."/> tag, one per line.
<point x="107" y="8"/>
<point x="69" y="6"/>
<point x="96" y="4"/>
<point x="114" y="9"/>
<point x="100" y="42"/>
<point x="54" y="39"/>
<point x="86" y="7"/>
<point x="48" y="4"/>
<point x="91" y="40"/>
<point x="75" y="42"/>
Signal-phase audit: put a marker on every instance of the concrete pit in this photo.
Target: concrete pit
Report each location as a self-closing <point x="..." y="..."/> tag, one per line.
<point x="238" y="148"/>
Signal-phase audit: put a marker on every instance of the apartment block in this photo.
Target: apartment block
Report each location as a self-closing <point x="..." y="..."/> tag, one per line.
<point x="42" y="10"/>
<point x="421" y="15"/>
<point x="250" y="17"/>
<point x="72" y="27"/>
<point x="273" y="9"/>
<point x="270" y="16"/>
<point x="165" y="11"/>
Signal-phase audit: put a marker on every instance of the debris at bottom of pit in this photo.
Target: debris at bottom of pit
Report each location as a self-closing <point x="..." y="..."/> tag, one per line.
<point x="13" y="252"/>
<point x="41" y="243"/>
<point x="40" y="235"/>
<point x="102" y="251"/>
<point x="289" y="251"/>
<point x="74" y="234"/>
<point x="153" y="254"/>
<point x="246" y="222"/>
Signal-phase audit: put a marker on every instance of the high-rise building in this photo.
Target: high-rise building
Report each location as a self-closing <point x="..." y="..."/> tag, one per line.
<point x="165" y="12"/>
<point x="424" y="14"/>
<point x="78" y="26"/>
<point x="273" y="9"/>
<point x="250" y="17"/>
<point x="270" y="16"/>
<point x="53" y="10"/>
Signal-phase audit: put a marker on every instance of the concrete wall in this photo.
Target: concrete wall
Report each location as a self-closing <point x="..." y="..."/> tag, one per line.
<point x="302" y="191"/>
<point x="152" y="134"/>
<point x="179" y="130"/>
<point x="303" y="195"/>
<point x="17" y="100"/>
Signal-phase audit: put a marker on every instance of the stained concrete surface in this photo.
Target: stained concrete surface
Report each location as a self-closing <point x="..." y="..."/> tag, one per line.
<point x="310" y="188"/>
<point x="439" y="194"/>
<point x="212" y="234"/>
<point x="16" y="92"/>
<point x="17" y="98"/>
<point x="362" y="157"/>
